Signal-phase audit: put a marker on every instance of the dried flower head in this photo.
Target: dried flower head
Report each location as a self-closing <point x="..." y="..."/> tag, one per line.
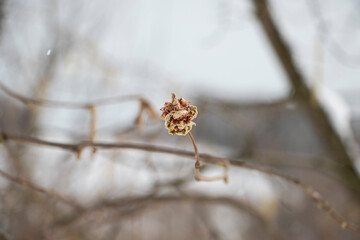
<point x="178" y="115"/>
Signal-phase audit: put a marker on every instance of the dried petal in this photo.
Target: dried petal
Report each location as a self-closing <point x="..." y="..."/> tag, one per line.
<point x="178" y="115"/>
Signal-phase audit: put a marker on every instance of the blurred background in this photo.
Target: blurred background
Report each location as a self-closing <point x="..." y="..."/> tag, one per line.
<point x="276" y="84"/>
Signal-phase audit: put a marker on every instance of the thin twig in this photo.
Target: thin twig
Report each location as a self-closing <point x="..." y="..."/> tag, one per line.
<point x="92" y="110"/>
<point x="309" y="190"/>
<point x="34" y="187"/>
<point x="145" y="106"/>
<point x="65" y="104"/>
<point x="78" y="147"/>
<point x="93" y="123"/>
<point x="198" y="175"/>
<point x="142" y="202"/>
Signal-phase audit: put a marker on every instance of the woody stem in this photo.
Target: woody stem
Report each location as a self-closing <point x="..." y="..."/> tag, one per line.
<point x="198" y="176"/>
<point x="197" y="163"/>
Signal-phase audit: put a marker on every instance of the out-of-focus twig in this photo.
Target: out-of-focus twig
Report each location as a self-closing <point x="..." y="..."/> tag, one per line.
<point x="145" y="106"/>
<point x="309" y="190"/>
<point x="93" y="117"/>
<point x="34" y="187"/>
<point x="138" y="203"/>
<point x="64" y="104"/>
<point x="78" y="147"/>
<point x="335" y="145"/>
<point x="92" y="110"/>
<point x="324" y="32"/>
<point x="226" y="106"/>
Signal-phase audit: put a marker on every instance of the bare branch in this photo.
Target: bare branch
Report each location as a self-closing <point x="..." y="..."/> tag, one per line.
<point x="143" y="202"/>
<point x="34" y="187"/>
<point x="78" y="147"/>
<point x="309" y="190"/>
<point x="70" y="105"/>
<point x="328" y="134"/>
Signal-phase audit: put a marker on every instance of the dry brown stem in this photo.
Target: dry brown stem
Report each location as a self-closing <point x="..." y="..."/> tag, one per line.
<point x="198" y="175"/>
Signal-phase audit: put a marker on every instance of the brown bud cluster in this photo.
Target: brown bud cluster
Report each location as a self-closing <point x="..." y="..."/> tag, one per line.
<point x="178" y="115"/>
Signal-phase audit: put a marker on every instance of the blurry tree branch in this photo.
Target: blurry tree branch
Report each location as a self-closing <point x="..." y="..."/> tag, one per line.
<point x="273" y="105"/>
<point x="143" y="202"/>
<point x="309" y="190"/>
<point x="71" y="105"/>
<point x="145" y="106"/>
<point x="34" y="187"/>
<point x="78" y="147"/>
<point x="302" y="93"/>
<point x="328" y="134"/>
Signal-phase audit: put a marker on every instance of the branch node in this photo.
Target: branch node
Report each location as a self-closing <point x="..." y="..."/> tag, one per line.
<point x="197" y="165"/>
<point x="92" y="110"/>
<point x="344" y="225"/>
<point x="24" y="183"/>
<point x="1" y="137"/>
<point x="79" y="149"/>
<point x="78" y="155"/>
<point x="198" y="176"/>
<point x="145" y="106"/>
<point x="30" y="104"/>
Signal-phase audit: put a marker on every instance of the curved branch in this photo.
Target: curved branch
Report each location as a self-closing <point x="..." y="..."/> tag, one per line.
<point x="320" y="201"/>
<point x="78" y="147"/>
<point x="339" y="149"/>
<point x="137" y="204"/>
<point x="308" y="189"/>
<point x="65" y="104"/>
<point x="36" y="188"/>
